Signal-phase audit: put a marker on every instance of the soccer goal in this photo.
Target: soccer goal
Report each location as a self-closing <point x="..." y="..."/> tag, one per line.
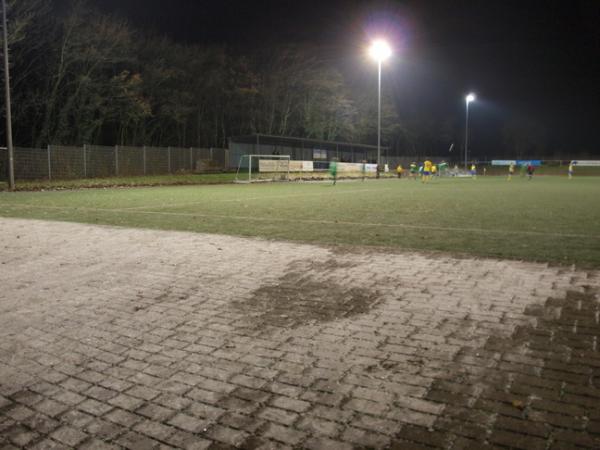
<point x="254" y="168"/>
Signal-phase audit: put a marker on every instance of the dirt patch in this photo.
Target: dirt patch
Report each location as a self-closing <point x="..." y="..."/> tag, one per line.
<point x="306" y="295"/>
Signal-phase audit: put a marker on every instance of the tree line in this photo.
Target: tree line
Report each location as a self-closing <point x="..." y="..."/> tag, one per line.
<point x="80" y="76"/>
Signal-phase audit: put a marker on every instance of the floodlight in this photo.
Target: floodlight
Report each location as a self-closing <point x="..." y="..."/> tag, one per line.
<point x="380" y="50"/>
<point x="470" y="98"/>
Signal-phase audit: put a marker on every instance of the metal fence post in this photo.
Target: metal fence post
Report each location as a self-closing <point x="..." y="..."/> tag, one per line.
<point x="144" y="162"/>
<point x="116" y="160"/>
<point x="169" y="159"/>
<point x="191" y="159"/>
<point x="84" y="163"/>
<point x="49" y="165"/>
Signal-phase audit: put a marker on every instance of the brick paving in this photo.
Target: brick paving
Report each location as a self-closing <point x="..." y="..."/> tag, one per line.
<point x="125" y="338"/>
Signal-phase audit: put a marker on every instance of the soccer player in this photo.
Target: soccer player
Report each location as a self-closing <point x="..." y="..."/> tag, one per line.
<point x="511" y="171"/>
<point x="426" y="171"/>
<point x="474" y="171"/>
<point x="443" y="168"/>
<point x="530" y="170"/>
<point x="333" y="171"/>
<point x="434" y="170"/>
<point x="399" y="170"/>
<point x="414" y="170"/>
<point x="522" y="169"/>
<point x="571" y="164"/>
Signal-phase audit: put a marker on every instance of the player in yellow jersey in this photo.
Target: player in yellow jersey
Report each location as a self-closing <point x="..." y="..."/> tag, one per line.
<point x="433" y="171"/>
<point x="511" y="171"/>
<point x="399" y="170"/>
<point x="426" y="171"/>
<point x="571" y="164"/>
<point x="474" y="171"/>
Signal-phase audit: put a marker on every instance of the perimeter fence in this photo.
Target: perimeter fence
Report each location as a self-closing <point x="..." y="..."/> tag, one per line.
<point x="58" y="162"/>
<point x="587" y="167"/>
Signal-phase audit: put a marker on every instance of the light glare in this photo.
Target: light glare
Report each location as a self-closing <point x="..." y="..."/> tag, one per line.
<point x="380" y="50"/>
<point x="470" y="98"/>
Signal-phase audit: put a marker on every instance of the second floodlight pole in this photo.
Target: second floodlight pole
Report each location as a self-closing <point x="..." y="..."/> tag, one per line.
<point x="379" y="119"/>
<point x="466" y="133"/>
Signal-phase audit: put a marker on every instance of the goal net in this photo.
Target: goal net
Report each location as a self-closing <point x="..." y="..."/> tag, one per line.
<point x="254" y="168"/>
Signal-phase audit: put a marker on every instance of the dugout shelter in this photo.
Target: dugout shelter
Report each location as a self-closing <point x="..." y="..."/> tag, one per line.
<point x="302" y="149"/>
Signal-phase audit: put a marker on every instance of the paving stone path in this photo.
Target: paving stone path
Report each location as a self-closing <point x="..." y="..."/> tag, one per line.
<point x="127" y="338"/>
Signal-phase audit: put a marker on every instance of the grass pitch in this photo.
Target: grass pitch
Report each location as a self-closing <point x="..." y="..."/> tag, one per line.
<point x="547" y="219"/>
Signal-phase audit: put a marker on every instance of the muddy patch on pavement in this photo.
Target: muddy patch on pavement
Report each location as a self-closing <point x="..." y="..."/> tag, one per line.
<point x="306" y="295"/>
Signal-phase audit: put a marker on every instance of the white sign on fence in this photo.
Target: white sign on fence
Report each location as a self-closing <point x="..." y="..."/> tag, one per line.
<point x="503" y="162"/>
<point x="349" y="167"/>
<point x="301" y="166"/>
<point x="273" y="165"/>
<point x="587" y="163"/>
<point x="356" y="167"/>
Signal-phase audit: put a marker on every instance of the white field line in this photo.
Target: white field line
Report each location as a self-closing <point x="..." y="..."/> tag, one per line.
<point x="316" y="194"/>
<point x="315" y="222"/>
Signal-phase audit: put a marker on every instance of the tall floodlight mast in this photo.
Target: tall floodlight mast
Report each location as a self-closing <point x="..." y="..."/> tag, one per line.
<point x="468" y="99"/>
<point x="379" y="51"/>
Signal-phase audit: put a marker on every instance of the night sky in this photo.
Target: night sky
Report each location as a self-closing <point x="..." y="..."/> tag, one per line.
<point x="536" y="62"/>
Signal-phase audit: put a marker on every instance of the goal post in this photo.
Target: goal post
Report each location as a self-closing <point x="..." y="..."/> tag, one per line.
<point x="254" y="168"/>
